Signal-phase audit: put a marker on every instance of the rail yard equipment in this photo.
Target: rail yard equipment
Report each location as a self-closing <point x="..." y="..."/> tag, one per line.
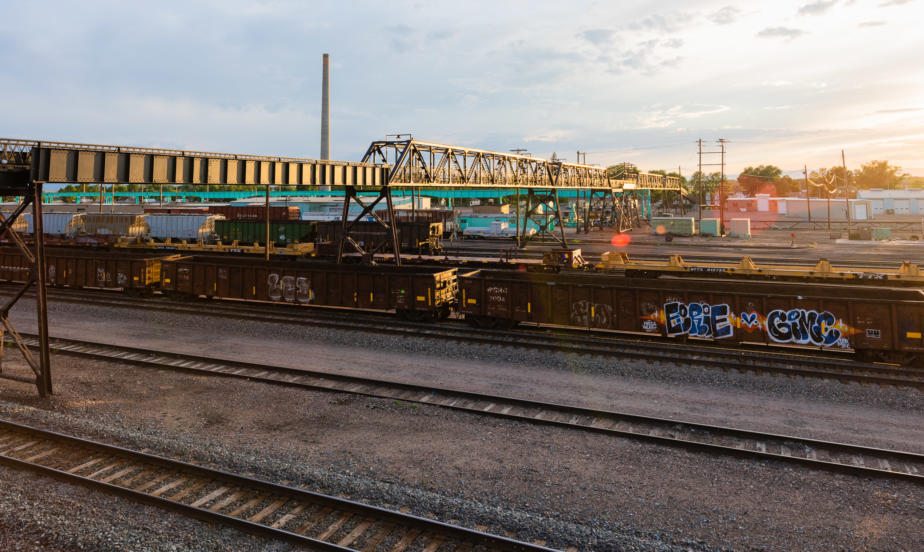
<point x="413" y="291"/>
<point x="884" y="323"/>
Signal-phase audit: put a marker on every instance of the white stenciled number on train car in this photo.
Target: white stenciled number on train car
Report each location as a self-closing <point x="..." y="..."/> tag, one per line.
<point x="288" y="288"/>
<point x="274" y="290"/>
<point x="303" y="293"/>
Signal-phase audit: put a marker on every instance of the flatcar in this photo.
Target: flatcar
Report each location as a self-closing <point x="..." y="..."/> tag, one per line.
<point x="883" y="323"/>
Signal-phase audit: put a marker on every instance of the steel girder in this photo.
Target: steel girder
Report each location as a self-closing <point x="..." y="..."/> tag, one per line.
<point x="63" y="162"/>
<point x="426" y="164"/>
<point x="20" y="182"/>
<point x="390" y="225"/>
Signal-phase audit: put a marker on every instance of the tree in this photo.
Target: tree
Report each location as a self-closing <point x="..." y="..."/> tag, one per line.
<point x="878" y="174"/>
<point x="760" y="180"/>
<point x="786" y="186"/>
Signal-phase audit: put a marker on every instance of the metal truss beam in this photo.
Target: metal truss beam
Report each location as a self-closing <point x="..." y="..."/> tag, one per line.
<point x="389" y="225"/>
<point x="546" y="199"/>
<point x="18" y="181"/>
<point x="62" y="162"/>
<point x="425" y="164"/>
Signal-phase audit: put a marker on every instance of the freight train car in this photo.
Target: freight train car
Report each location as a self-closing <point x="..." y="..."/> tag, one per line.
<point x="414" y="236"/>
<point x="85" y="267"/>
<point x="884" y="323"/>
<point x="255" y="212"/>
<point x="282" y="232"/>
<point x="414" y="291"/>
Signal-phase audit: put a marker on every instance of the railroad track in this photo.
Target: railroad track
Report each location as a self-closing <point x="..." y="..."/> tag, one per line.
<point x="287" y="513"/>
<point x="865" y="461"/>
<point x="756" y="359"/>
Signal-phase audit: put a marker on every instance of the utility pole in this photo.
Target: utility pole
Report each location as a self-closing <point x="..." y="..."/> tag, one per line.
<point x="579" y="154"/>
<point x="680" y="174"/>
<point x="722" y="187"/>
<point x="808" y="198"/>
<point x="699" y="178"/>
<point x="846" y="192"/>
<point x="519" y="151"/>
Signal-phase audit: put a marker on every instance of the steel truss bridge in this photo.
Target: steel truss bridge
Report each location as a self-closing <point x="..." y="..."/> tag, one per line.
<point x="26" y="165"/>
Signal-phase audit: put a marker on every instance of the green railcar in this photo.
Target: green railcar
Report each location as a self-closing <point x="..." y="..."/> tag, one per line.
<point x="282" y="232"/>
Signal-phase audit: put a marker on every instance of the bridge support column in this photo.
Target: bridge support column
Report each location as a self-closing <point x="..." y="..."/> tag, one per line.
<point x="548" y="199"/>
<point x="20" y="183"/>
<point x="389" y="225"/>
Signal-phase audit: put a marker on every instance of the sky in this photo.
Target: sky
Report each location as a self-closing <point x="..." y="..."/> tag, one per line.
<point x="785" y="83"/>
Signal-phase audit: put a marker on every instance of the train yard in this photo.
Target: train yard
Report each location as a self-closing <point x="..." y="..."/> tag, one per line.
<point x="296" y="384"/>
<point x="326" y="428"/>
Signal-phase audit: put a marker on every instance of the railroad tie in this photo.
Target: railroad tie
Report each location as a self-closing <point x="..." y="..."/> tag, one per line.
<point x="335" y="526"/>
<point x="211" y="496"/>
<point x="355" y="533"/>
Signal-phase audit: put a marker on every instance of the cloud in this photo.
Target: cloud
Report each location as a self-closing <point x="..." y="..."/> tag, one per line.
<point x="872" y="24"/>
<point x="598" y="37"/>
<point x="663" y="118"/>
<point x="901" y="110"/>
<point x="644" y="57"/>
<point x="817" y="8"/>
<point x="777" y="83"/>
<point x="781" y="32"/>
<point x="724" y="16"/>
<point x="550" y="136"/>
<point x="893" y="3"/>
<point x="662" y="23"/>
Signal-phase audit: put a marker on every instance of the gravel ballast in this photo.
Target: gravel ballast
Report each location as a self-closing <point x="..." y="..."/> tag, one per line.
<point x="565" y="487"/>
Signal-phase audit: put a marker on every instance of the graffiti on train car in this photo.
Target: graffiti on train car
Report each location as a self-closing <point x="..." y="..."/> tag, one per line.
<point x="802" y="326"/>
<point x="289" y="288"/>
<point x="698" y="319"/>
<point x="593" y="315"/>
<point x="717" y="321"/>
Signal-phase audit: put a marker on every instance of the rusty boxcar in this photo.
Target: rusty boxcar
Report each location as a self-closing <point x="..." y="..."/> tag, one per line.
<point x="414" y="291"/>
<point x="86" y="267"/>
<point x="880" y="323"/>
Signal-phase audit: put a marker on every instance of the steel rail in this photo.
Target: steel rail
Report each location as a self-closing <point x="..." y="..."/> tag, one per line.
<point x="756" y="359"/>
<point x="850" y="458"/>
<point x="257" y="506"/>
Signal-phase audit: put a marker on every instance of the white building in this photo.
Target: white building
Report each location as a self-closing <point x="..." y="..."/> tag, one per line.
<point x="893" y="202"/>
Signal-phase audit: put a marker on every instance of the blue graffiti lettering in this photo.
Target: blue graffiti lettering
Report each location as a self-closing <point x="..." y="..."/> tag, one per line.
<point x="697" y="319"/>
<point x="805" y="327"/>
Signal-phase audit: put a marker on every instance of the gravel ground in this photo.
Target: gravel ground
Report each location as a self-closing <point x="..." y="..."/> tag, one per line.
<point x="37" y="514"/>
<point x="552" y="484"/>
<point x="873" y="416"/>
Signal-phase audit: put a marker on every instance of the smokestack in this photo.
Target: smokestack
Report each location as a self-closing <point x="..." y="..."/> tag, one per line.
<point x="325" y="109"/>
